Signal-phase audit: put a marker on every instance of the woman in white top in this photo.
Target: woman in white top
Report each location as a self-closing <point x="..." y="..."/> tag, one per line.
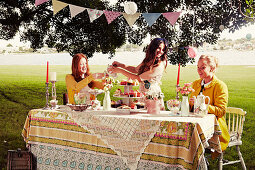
<point x="150" y="71"/>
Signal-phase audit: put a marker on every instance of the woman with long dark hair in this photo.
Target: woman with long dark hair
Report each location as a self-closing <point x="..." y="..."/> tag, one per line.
<point x="150" y="71"/>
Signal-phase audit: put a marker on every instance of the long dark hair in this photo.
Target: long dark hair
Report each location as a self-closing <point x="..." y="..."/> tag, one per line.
<point x="150" y="59"/>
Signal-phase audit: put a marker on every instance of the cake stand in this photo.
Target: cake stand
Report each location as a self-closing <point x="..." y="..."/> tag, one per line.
<point x="96" y="104"/>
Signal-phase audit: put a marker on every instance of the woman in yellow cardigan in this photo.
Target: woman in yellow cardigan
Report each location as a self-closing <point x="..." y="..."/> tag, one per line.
<point x="81" y="80"/>
<point x="216" y="89"/>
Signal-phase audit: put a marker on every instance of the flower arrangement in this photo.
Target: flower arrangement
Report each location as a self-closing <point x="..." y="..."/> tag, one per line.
<point x="186" y="89"/>
<point x="173" y="103"/>
<point x="154" y="95"/>
<point x="80" y="99"/>
<point x="109" y="82"/>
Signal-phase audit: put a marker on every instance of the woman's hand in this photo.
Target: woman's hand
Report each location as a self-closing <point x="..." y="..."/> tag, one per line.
<point x="117" y="64"/>
<point x="98" y="75"/>
<point x="112" y="69"/>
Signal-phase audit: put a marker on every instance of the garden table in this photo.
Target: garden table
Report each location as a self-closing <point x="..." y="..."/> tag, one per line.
<point x="66" y="139"/>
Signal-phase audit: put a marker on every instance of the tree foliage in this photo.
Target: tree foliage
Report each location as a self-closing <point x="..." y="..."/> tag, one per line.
<point x="199" y="23"/>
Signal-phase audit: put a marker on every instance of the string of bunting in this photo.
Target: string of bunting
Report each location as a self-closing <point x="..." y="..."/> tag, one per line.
<point x="130" y="15"/>
<point x="150" y="18"/>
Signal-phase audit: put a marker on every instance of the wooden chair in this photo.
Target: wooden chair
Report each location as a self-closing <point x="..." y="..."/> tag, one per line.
<point x="235" y="120"/>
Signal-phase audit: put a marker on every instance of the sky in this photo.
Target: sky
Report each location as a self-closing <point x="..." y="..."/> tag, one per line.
<point x="239" y="33"/>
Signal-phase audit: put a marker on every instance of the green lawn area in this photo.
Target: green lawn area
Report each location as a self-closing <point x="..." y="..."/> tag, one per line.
<point x="22" y="88"/>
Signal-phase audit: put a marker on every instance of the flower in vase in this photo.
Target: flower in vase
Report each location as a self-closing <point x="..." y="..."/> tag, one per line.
<point x="186" y="89"/>
<point x="108" y="83"/>
<point x="154" y="95"/>
<point x="173" y="103"/>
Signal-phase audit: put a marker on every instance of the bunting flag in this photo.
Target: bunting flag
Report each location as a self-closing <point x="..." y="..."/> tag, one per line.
<point x="172" y="16"/>
<point x="75" y="10"/>
<point x="131" y="18"/>
<point x="57" y="6"/>
<point x="151" y="17"/>
<point x="94" y="14"/>
<point x="111" y="15"/>
<point x="39" y="2"/>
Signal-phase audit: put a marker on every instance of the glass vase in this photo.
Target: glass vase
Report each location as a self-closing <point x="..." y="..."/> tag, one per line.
<point x="185" y="106"/>
<point x="107" y="101"/>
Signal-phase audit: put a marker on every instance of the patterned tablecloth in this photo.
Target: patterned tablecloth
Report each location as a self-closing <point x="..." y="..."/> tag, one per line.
<point x="108" y="140"/>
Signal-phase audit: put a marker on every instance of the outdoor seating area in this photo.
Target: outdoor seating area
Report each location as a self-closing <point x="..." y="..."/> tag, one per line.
<point x="127" y="85"/>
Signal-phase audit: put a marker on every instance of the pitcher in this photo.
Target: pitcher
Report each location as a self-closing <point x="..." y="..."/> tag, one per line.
<point x="200" y="107"/>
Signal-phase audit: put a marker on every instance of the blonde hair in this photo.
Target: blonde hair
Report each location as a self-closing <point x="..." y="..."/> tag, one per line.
<point x="212" y="61"/>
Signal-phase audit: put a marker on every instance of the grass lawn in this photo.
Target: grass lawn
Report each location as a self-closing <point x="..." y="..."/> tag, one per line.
<point x="22" y="88"/>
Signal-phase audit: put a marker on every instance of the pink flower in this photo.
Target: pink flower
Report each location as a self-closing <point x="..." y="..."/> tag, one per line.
<point x="186" y="89"/>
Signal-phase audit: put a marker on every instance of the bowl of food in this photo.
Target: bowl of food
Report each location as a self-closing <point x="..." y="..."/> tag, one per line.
<point x="80" y="107"/>
<point x="173" y="105"/>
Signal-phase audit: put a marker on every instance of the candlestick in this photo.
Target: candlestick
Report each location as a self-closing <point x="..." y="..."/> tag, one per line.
<point x="54" y="100"/>
<point x="47" y="74"/>
<point x="177" y="93"/>
<point x="178" y="76"/>
<point x="47" y="96"/>
<point x="53" y="90"/>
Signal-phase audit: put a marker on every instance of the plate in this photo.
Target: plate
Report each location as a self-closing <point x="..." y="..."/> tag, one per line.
<point x="80" y="107"/>
<point x="125" y="97"/>
<point x="123" y="111"/>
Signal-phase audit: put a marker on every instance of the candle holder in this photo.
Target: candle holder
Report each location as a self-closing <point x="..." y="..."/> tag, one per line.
<point x="54" y="101"/>
<point x="177" y="93"/>
<point x="47" y="97"/>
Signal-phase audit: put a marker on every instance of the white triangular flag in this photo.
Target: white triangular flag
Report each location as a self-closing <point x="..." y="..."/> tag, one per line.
<point x="74" y="10"/>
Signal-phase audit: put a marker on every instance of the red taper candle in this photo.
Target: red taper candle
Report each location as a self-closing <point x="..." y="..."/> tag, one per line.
<point x="47" y="74"/>
<point x="178" y="76"/>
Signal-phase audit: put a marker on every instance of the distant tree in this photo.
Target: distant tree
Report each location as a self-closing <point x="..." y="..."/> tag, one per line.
<point x="38" y="25"/>
<point x="9" y="45"/>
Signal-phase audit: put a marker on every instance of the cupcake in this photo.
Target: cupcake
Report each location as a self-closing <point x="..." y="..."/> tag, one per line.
<point x="131" y="93"/>
<point x="136" y="83"/>
<point x="138" y="94"/>
<point x="140" y="105"/>
<point x="117" y="92"/>
<point x="130" y="82"/>
<point x="123" y="82"/>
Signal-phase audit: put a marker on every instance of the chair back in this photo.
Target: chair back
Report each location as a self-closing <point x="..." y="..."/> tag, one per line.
<point x="235" y="120"/>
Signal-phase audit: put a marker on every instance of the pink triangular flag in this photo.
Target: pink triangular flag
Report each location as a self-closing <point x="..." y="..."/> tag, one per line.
<point x="111" y="15"/>
<point x="171" y="16"/>
<point x="74" y="10"/>
<point x="39" y="2"/>
<point x="94" y="14"/>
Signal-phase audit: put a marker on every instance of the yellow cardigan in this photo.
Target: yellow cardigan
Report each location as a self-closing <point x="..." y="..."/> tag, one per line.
<point x="218" y="92"/>
<point x="74" y="87"/>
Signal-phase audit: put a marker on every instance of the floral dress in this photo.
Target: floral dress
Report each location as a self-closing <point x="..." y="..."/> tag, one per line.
<point x="151" y="80"/>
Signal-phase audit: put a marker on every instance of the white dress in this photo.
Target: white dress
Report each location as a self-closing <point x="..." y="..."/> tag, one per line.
<point x="151" y="80"/>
